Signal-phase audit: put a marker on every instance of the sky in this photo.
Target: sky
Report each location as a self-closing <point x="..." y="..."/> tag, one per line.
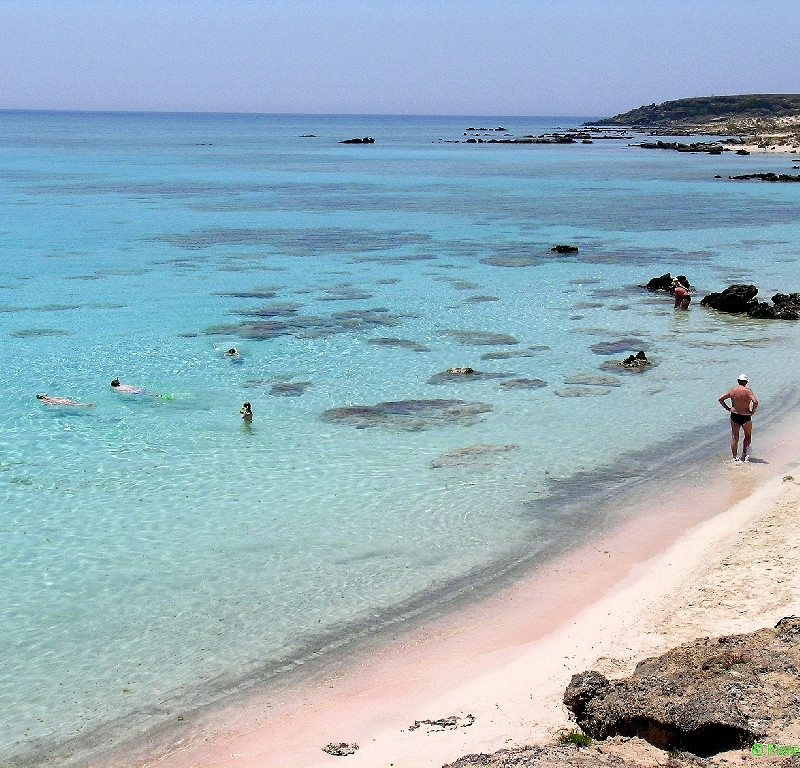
<point x="589" y="58"/>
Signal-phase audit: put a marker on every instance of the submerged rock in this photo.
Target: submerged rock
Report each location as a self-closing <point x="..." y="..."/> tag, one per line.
<point x="593" y="380"/>
<point x="523" y="384"/>
<point x="414" y="346"/>
<point x="465" y="374"/>
<point x="581" y="391"/>
<point x="470" y="456"/>
<point x="507" y="354"/>
<point x="410" y="415"/>
<point x="289" y="388"/>
<point x="564" y="249"/>
<point x="480" y="338"/>
<point x="627" y="344"/>
<point x="705" y="697"/>
<point x="508" y="260"/>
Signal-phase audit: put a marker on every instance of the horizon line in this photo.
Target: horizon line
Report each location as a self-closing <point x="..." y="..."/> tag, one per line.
<point x="26" y="110"/>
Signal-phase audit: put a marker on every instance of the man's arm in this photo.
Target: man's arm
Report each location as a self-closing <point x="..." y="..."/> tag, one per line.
<point x="754" y="401"/>
<point x="722" y="400"/>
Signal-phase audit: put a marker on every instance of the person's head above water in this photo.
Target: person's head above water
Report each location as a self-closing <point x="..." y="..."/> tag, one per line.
<point x="41" y="397"/>
<point x="232" y="351"/>
<point x="115" y="382"/>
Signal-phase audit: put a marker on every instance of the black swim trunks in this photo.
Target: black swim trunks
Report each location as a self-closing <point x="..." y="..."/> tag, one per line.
<point x="739" y="418"/>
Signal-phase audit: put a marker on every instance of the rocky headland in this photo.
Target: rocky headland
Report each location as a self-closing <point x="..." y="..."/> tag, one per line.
<point x="761" y="121"/>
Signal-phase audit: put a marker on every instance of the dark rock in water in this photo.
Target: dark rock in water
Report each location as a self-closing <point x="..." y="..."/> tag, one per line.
<point x="365" y="140"/>
<point x="470" y="456"/>
<point x="704" y="697"/>
<point x="256" y="293"/>
<point x="627" y="344"/>
<point x="593" y="380"/>
<point x="637" y="361"/>
<point x="341" y="749"/>
<point x="664" y="283"/>
<point x="504" y="260"/>
<point x="289" y="388"/>
<point x="480" y="338"/>
<point x="410" y="415"/>
<point x="564" y="249"/>
<point x="735" y="298"/>
<point x="507" y="354"/>
<point x="698" y="146"/>
<point x="33" y="333"/>
<point x="766" y="177"/>
<point x="523" y="384"/>
<point x="465" y="374"/>
<point x="581" y="391"/>
<point x="480" y="298"/>
<point x="741" y="298"/>
<point x="414" y="346"/>
<point x="742" y="152"/>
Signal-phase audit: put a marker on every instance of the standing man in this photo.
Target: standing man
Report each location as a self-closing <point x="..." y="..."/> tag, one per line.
<point x="742" y="409"/>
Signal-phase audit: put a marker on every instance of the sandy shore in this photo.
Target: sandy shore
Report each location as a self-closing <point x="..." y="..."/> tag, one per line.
<point x="718" y="554"/>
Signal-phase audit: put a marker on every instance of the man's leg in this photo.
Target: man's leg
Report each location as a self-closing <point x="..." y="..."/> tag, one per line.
<point x="748" y="432"/>
<point x="734" y="438"/>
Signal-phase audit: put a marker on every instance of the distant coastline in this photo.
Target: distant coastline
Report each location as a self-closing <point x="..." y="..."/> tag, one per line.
<point x="760" y="121"/>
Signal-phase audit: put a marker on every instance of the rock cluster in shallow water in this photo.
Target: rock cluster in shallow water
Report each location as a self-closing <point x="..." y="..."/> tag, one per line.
<point x="741" y="299"/>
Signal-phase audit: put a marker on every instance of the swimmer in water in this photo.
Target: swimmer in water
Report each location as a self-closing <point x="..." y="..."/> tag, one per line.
<point x="232" y="352"/>
<point x="130" y="389"/>
<point x="62" y="401"/>
<point x="247" y="412"/>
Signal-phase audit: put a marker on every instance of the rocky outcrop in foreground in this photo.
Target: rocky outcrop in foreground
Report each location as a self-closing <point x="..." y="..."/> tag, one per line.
<point x="705" y="697"/>
<point x="555" y="756"/>
<point x="741" y="299"/>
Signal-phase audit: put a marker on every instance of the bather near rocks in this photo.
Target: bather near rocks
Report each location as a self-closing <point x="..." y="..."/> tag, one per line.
<point x="664" y="283"/>
<point x="741" y="299"/>
<point x="704" y="697"/>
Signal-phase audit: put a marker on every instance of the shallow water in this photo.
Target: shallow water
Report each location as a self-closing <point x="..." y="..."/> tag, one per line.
<point x="150" y="544"/>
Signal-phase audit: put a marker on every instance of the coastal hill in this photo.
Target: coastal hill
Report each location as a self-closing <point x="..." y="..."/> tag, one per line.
<point x="762" y="120"/>
<point x="702" y="110"/>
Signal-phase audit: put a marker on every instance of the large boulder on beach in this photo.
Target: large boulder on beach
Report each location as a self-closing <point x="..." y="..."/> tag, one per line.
<point x="704" y="697"/>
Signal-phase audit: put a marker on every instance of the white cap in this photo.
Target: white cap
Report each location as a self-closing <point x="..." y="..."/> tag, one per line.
<point x="742" y="377"/>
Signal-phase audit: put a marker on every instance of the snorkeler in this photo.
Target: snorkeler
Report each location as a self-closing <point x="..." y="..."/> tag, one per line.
<point x="232" y="352"/>
<point x="130" y="389"/>
<point x="247" y="412"/>
<point x="62" y="401"/>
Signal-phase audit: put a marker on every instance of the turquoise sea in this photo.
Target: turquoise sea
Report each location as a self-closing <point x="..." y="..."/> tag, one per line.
<point x="157" y="553"/>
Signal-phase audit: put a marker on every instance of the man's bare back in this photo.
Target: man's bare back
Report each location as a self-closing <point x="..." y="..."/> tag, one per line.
<point x="741" y="399"/>
<point x="743" y="406"/>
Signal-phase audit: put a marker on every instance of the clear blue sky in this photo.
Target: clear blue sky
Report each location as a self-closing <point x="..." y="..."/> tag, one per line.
<point x="460" y="57"/>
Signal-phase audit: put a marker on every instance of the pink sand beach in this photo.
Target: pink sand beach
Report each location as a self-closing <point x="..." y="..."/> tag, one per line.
<point x="715" y="552"/>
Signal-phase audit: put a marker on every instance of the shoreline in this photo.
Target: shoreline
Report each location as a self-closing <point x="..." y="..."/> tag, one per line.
<point x="506" y="658"/>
